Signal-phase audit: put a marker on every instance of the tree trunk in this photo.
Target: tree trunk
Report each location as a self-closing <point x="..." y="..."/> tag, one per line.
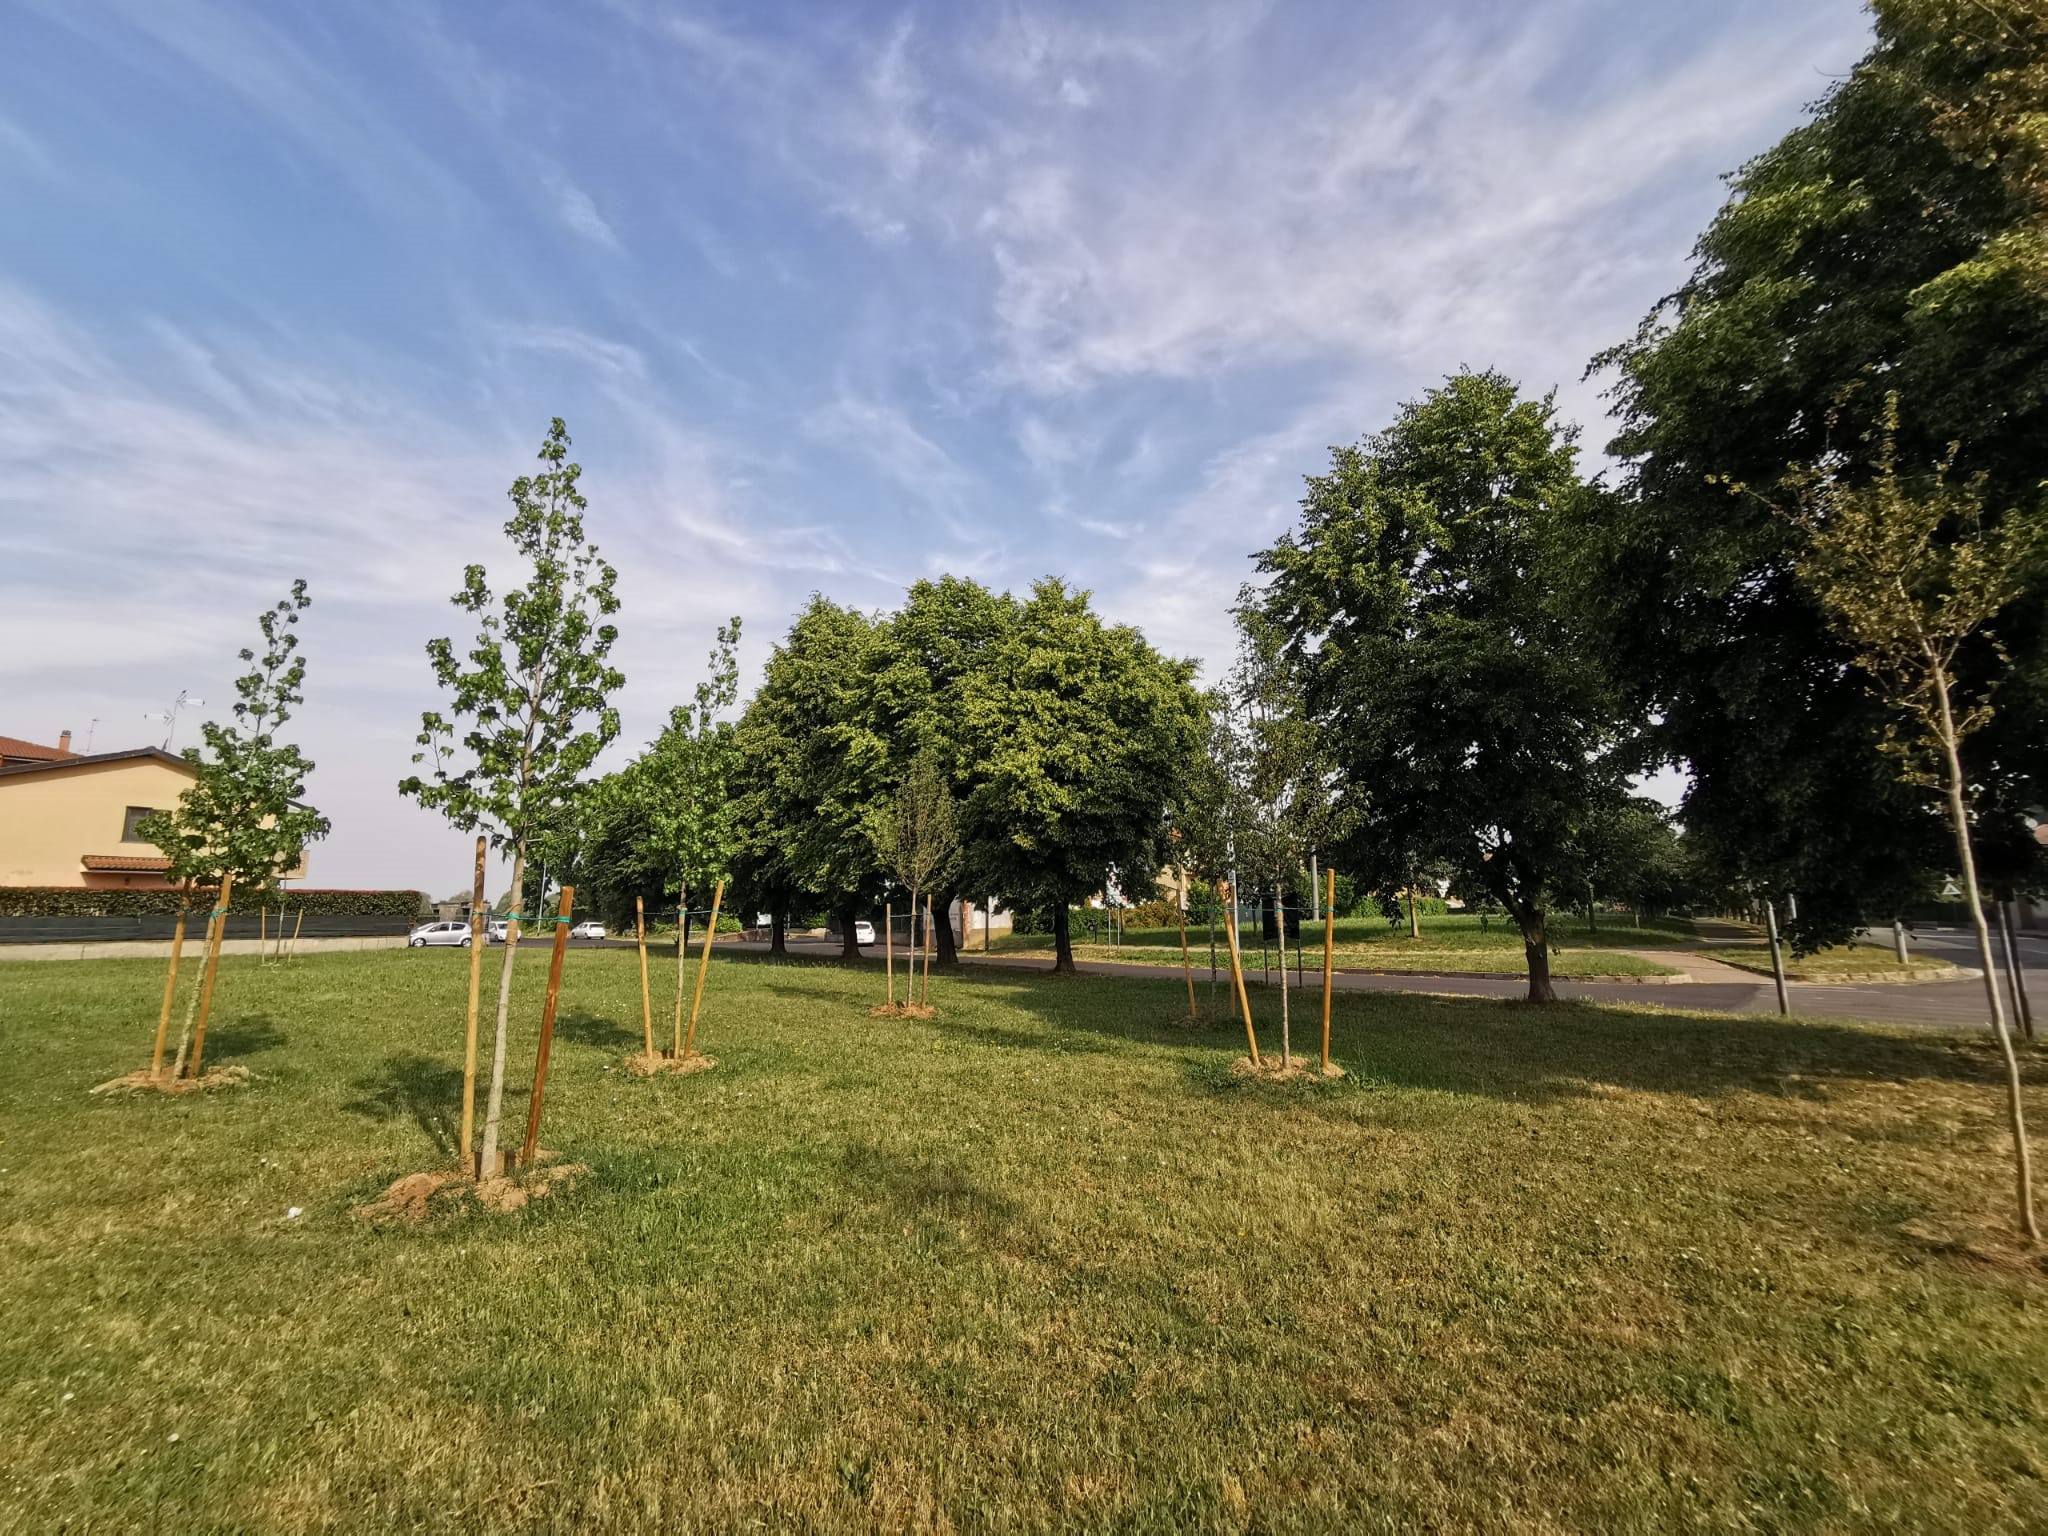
<point x="1959" y="822"/>
<point x="948" y="955"/>
<point x="1062" y="940"/>
<point x="494" y="1102"/>
<point x="1536" y="947"/>
<point x="778" y="930"/>
<point x="1414" y="921"/>
<point x="849" y="941"/>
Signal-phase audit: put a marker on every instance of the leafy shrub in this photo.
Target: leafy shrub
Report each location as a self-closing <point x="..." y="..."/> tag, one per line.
<point x="73" y="901"/>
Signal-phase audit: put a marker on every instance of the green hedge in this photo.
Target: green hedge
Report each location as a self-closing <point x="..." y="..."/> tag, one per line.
<point x="71" y="901"/>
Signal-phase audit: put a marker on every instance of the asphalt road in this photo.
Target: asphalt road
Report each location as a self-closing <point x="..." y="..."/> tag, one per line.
<point x="1927" y="1004"/>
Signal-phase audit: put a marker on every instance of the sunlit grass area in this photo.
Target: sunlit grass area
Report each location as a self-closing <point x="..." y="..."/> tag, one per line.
<point x="1843" y="962"/>
<point x="1040" y="1262"/>
<point x="1453" y="943"/>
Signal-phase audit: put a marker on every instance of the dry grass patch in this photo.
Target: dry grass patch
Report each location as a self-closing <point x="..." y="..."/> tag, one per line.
<point x="640" y="1064"/>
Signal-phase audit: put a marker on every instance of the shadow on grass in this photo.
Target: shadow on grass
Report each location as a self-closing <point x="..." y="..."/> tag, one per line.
<point x="409" y="1086"/>
<point x="248" y="1035"/>
<point x="1473" y="1045"/>
<point x="600" y="1030"/>
<point x="921" y="1184"/>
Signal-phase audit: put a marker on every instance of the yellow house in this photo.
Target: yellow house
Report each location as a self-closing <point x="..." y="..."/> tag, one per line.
<point x="71" y="820"/>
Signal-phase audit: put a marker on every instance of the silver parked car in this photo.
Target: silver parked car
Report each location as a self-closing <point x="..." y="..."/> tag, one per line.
<point x="456" y="934"/>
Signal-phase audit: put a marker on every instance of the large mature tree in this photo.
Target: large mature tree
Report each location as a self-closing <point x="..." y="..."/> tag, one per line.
<point x="529" y="703"/>
<point x="1432" y="604"/>
<point x="937" y="649"/>
<point x="1081" y="730"/>
<point x="1895" y="243"/>
<point x="812" y="765"/>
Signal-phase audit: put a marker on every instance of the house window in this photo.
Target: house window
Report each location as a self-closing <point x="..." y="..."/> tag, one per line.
<point x="129" y="821"/>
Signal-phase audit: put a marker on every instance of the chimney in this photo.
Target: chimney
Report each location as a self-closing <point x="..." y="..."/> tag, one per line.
<point x="64" y="742"/>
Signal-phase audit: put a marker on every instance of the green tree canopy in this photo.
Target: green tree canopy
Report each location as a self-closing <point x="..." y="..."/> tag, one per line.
<point x="1895" y="243"/>
<point x="1432" y="603"/>
<point x="1083" y="732"/>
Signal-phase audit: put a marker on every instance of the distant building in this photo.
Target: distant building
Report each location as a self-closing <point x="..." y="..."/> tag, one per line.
<point x="70" y="820"/>
<point x="14" y="751"/>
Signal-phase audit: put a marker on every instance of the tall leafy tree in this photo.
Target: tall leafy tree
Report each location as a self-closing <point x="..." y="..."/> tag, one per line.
<point x="1910" y="576"/>
<point x="1082" y="731"/>
<point x="1431" y="601"/>
<point x="1895" y="242"/>
<point x="937" y="648"/>
<point x="813" y="765"/>
<point x="529" y="706"/>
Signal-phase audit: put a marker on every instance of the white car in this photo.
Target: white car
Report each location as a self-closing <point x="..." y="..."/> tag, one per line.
<point x="456" y="934"/>
<point x="587" y="930"/>
<point x="863" y="933"/>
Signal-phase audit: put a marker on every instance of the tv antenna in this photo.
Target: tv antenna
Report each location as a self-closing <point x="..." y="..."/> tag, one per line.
<point x="169" y="716"/>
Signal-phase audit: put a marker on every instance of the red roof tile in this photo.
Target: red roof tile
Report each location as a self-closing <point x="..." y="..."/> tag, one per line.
<point x="12" y="747"/>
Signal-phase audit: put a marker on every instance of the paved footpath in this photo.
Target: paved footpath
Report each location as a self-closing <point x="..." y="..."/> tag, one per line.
<point x="1709" y="985"/>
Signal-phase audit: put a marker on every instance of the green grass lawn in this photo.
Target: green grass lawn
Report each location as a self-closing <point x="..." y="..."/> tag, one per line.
<point x="1040" y="1262"/>
<point x="1842" y="962"/>
<point x="1453" y="943"/>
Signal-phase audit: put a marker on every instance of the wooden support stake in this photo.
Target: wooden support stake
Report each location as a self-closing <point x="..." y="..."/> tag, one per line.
<point x="263" y="934"/>
<point x="220" y="926"/>
<point x="924" y="991"/>
<point x="479" y="936"/>
<point x="889" y="947"/>
<point x="646" y="1003"/>
<point x="703" y="965"/>
<point x="682" y="962"/>
<point x="531" y="1147"/>
<point x="1187" y="965"/>
<point x="297" y="923"/>
<point x="163" y="1019"/>
<point x="1251" y="1038"/>
<point x="1329" y="955"/>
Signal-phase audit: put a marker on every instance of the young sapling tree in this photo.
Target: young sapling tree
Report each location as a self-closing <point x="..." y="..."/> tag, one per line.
<point x="529" y="706"/>
<point x="244" y="819"/>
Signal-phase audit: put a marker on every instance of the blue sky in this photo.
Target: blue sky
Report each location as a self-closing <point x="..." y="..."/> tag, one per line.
<point x="832" y="296"/>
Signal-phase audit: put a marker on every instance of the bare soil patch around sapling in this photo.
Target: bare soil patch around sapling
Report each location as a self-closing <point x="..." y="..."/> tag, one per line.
<point x="142" y="1080"/>
<point x="418" y="1197"/>
<point x="903" y="1011"/>
<point x="640" y="1064"/>
<point x="1269" y="1070"/>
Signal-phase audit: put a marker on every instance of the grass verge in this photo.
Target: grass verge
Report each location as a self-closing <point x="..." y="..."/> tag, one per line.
<point x="1039" y="1262"/>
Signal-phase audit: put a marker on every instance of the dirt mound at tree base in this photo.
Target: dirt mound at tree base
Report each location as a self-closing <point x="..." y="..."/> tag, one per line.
<point x="640" y="1064"/>
<point x="1987" y="1241"/>
<point x="904" y="1011"/>
<point x="141" y="1081"/>
<point x="412" y="1200"/>
<point x="1269" y="1070"/>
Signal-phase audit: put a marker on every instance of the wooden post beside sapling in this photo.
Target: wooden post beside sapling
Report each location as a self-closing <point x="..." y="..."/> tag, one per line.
<point x="220" y="927"/>
<point x="297" y="923"/>
<point x="889" y="948"/>
<point x="1329" y="957"/>
<point x="646" y="1003"/>
<point x="1244" y="1003"/>
<point x="924" y="990"/>
<point x="163" y="1018"/>
<point x="703" y="965"/>
<point x="479" y="935"/>
<point x="531" y="1148"/>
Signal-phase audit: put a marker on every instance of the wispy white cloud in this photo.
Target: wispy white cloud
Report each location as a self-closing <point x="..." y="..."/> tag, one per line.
<point x="573" y="206"/>
<point x="883" y="434"/>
